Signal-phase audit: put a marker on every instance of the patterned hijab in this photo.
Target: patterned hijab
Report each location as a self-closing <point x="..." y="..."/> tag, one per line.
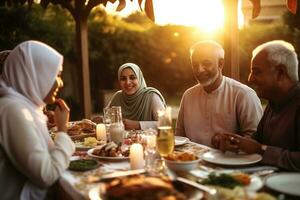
<point x="139" y="105"/>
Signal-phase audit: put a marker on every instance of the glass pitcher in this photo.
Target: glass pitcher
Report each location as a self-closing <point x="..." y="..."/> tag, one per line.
<point x="116" y="129"/>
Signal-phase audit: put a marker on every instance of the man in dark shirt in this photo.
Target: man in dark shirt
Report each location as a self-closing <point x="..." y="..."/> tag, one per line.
<point x="274" y="72"/>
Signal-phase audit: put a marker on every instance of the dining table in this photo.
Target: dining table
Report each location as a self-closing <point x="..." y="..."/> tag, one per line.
<point x="77" y="185"/>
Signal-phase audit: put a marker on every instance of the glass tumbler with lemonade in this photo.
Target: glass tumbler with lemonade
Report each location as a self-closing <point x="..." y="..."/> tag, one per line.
<point x="165" y="136"/>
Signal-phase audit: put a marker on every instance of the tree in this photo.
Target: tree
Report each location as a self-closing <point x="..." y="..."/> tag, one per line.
<point x="80" y="10"/>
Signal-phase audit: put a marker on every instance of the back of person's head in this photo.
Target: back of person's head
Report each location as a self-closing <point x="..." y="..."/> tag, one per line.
<point x="206" y="45"/>
<point x="3" y="56"/>
<point x="31" y="69"/>
<point x="280" y="52"/>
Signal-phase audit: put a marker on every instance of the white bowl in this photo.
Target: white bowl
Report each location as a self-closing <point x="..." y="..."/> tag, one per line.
<point x="182" y="165"/>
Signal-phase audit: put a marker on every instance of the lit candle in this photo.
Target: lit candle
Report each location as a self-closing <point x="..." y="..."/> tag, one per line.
<point x="136" y="156"/>
<point x="101" y="132"/>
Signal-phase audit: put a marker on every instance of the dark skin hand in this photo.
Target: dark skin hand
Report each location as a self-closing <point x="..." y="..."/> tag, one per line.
<point x="235" y="143"/>
<point x="225" y="142"/>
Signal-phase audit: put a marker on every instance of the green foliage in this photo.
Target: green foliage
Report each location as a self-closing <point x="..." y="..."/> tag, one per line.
<point x="161" y="51"/>
<point x="52" y="26"/>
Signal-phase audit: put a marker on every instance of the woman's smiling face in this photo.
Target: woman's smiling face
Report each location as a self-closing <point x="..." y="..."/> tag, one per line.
<point x="129" y="83"/>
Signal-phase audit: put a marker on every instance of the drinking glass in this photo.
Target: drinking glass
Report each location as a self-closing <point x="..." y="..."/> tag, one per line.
<point x="149" y="141"/>
<point x="165" y="136"/>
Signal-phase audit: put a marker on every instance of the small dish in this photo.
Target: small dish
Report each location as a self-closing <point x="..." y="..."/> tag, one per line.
<point x="182" y="165"/>
<point x="83" y="164"/>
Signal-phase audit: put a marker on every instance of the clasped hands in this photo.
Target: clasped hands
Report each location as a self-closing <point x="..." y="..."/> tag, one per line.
<point x="235" y="143"/>
<point x="59" y="117"/>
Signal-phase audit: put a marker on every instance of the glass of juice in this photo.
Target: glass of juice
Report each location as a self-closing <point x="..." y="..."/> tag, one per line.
<point x="165" y="134"/>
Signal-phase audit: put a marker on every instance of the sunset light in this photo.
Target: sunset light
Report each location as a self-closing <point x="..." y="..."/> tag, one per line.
<point x="207" y="15"/>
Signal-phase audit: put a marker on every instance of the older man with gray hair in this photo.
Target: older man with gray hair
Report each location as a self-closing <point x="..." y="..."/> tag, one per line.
<point x="217" y="104"/>
<point x="274" y="71"/>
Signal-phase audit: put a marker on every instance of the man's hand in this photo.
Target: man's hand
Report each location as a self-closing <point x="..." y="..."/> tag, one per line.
<point x="250" y="146"/>
<point x="61" y="115"/>
<point x="235" y="143"/>
<point x="131" y="124"/>
<point x="225" y="142"/>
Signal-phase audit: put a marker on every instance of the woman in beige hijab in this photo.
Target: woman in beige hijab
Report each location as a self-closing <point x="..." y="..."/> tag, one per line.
<point x="30" y="161"/>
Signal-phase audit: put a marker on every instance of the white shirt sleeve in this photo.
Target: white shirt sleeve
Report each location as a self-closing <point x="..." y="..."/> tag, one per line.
<point x="157" y="104"/>
<point x="249" y="112"/>
<point x="29" y="155"/>
<point x="179" y="130"/>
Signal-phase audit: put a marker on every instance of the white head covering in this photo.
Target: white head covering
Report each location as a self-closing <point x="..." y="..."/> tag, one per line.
<point x="28" y="75"/>
<point x="31" y="69"/>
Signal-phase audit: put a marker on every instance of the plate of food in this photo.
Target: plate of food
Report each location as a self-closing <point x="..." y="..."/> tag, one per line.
<point x="250" y="183"/>
<point x="83" y="164"/>
<point x="77" y="130"/>
<point x="109" y="151"/>
<point x="88" y="143"/>
<point x="230" y="158"/>
<point x="141" y="186"/>
<point x="179" y="140"/>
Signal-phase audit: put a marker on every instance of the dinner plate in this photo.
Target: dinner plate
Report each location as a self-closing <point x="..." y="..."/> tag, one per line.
<point x="53" y="131"/>
<point x="71" y="123"/>
<point x="97" y="192"/>
<point x="179" y="140"/>
<point x="287" y="183"/>
<point x="81" y="147"/>
<point x="90" y="153"/>
<point x="230" y="158"/>
<point x="255" y="182"/>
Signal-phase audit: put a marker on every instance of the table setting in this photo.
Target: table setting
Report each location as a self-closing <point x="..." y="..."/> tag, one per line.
<point x="157" y="162"/>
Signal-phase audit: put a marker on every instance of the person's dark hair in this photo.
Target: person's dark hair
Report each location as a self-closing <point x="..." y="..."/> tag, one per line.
<point x="3" y="56"/>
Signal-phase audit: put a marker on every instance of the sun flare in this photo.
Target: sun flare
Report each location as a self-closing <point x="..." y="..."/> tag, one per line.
<point x="207" y="15"/>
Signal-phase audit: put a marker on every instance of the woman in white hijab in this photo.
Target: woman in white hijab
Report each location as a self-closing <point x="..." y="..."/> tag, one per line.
<point x="138" y="102"/>
<point x="30" y="161"/>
